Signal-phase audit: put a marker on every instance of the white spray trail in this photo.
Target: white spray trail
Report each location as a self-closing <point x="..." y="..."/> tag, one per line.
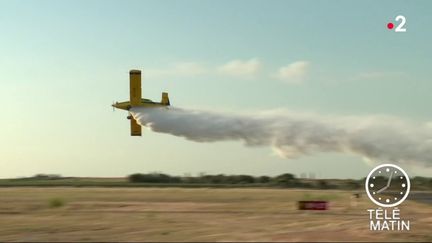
<point x="291" y="134"/>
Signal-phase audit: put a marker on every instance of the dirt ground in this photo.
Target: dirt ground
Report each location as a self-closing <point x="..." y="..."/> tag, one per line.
<point x="204" y="214"/>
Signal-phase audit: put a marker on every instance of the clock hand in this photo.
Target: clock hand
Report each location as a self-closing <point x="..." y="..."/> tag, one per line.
<point x="388" y="184"/>
<point x="389" y="180"/>
<point x="382" y="189"/>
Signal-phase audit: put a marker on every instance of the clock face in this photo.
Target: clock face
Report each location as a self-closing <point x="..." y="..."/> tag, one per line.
<point x="387" y="185"/>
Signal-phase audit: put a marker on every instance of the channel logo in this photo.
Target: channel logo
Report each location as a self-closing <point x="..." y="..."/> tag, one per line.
<point x="400" y="21"/>
<point x="387" y="186"/>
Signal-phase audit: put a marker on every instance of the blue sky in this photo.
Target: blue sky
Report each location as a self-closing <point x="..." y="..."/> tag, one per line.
<point x="62" y="63"/>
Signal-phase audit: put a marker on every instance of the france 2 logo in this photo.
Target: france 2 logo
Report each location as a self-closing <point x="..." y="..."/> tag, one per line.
<point x="401" y="26"/>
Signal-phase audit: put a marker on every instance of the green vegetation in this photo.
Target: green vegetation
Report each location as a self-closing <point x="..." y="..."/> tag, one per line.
<point x="56" y="203"/>
<point x="285" y="180"/>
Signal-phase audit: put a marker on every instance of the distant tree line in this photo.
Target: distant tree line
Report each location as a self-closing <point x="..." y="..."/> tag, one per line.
<point x="283" y="180"/>
<point x="44" y="177"/>
<point x="210" y="179"/>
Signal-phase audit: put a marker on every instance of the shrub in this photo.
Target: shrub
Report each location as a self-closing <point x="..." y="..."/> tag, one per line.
<point x="263" y="179"/>
<point x="153" y="178"/>
<point x="285" y="179"/>
<point x="56" y="203"/>
<point x="46" y="177"/>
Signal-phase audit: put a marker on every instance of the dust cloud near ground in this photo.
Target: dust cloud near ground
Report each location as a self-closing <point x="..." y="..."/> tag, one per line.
<point x="203" y="214"/>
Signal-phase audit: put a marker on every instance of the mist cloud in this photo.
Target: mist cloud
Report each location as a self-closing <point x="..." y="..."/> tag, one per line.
<point x="294" y="134"/>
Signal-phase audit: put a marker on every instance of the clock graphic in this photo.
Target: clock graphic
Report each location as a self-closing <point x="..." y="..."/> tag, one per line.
<point x="387" y="185"/>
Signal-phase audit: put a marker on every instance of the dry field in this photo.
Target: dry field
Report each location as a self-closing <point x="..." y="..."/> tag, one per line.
<point x="204" y="214"/>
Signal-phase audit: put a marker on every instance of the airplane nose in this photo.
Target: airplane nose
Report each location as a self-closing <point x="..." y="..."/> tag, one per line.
<point x="114" y="105"/>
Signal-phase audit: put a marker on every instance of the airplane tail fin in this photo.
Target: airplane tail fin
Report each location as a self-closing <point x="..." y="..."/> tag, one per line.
<point x="165" y="99"/>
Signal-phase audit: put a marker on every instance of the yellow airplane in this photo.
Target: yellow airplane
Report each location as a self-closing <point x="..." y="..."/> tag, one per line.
<point x="135" y="100"/>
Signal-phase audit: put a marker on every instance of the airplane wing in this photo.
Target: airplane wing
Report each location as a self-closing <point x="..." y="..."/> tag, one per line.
<point x="135" y="87"/>
<point x="135" y="127"/>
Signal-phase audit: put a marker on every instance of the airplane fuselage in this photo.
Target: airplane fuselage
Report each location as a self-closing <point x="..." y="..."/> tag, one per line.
<point x="146" y="103"/>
